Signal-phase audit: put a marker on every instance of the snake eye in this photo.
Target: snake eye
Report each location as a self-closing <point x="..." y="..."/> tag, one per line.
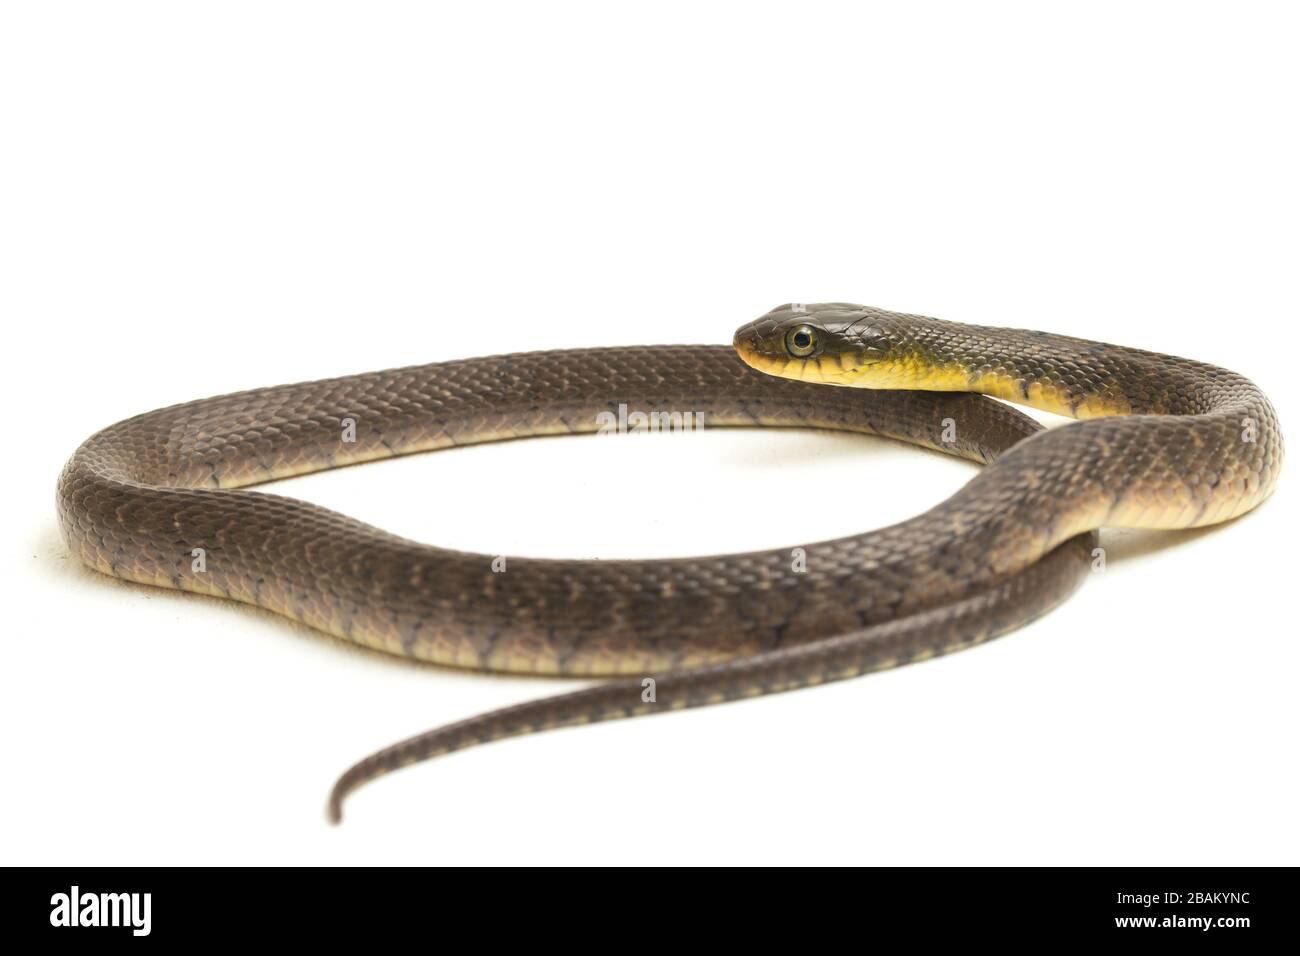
<point x="801" y="341"/>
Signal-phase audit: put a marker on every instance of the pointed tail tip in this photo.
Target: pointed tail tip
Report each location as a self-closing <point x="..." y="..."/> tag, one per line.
<point x="334" y="811"/>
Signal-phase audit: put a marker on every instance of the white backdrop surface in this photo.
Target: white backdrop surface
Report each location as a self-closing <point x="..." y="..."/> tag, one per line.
<point x="199" y="199"/>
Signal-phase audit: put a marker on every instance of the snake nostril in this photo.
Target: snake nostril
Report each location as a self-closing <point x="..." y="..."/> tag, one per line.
<point x="748" y="339"/>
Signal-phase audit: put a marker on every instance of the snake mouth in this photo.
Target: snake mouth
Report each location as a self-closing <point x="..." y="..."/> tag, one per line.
<point x="747" y="344"/>
<point x="747" y="341"/>
<point x="778" y="364"/>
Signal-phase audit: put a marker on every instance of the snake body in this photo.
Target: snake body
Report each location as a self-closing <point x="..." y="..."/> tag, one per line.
<point x="160" y="499"/>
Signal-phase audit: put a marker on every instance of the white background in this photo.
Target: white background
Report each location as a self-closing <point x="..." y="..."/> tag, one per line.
<point x="196" y="199"/>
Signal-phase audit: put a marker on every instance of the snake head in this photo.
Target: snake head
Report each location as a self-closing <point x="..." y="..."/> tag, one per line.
<point x="835" y="343"/>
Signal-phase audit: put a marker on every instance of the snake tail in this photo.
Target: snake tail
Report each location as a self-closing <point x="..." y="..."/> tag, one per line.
<point x="1004" y="607"/>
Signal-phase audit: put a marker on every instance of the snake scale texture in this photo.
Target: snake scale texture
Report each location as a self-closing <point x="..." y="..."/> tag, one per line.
<point x="160" y="499"/>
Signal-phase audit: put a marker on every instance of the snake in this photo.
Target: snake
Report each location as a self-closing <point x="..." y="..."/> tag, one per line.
<point x="1158" y="442"/>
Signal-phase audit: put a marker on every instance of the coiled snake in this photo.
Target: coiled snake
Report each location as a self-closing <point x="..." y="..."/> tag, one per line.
<point x="159" y="499"/>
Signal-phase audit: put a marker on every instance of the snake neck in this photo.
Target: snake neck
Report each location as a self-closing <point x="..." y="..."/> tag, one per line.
<point x="1073" y="377"/>
<point x="1213" y="453"/>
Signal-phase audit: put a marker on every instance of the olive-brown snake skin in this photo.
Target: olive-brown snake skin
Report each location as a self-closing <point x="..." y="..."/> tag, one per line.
<point x="1171" y="443"/>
